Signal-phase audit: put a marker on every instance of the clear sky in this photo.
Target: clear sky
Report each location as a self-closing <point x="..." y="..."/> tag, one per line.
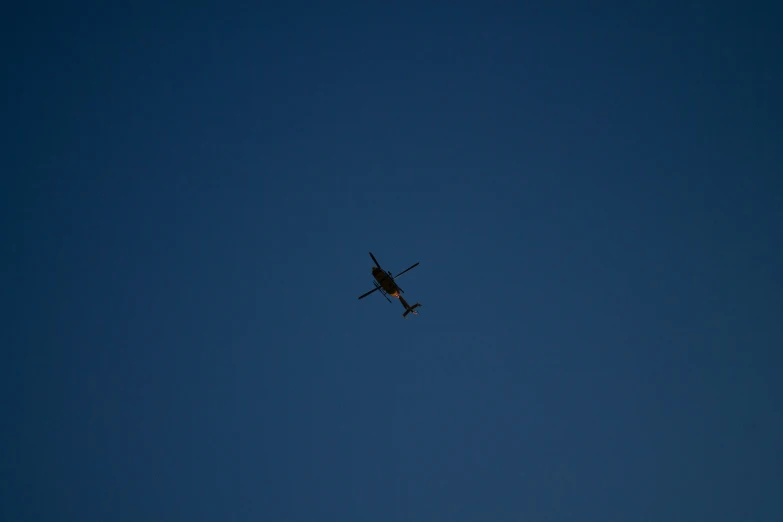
<point x="593" y="191"/>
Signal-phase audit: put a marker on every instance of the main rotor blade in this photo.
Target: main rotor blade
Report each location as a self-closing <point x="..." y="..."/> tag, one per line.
<point x="398" y="275"/>
<point x="368" y="293"/>
<point x="376" y="261"/>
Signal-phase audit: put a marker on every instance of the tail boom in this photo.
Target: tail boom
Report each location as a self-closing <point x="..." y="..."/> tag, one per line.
<point x="409" y="308"/>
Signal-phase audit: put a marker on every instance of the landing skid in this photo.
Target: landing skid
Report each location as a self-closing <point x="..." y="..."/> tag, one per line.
<point x="379" y="287"/>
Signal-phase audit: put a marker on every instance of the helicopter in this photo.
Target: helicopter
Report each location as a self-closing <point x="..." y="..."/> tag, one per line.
<point x="389" y="287"/>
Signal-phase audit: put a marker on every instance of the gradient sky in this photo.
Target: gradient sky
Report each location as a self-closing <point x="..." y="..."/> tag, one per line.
<point x="593" y="190"/>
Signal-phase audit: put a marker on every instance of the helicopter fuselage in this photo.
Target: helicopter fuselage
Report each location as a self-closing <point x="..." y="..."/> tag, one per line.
<point x="387" y="283"/>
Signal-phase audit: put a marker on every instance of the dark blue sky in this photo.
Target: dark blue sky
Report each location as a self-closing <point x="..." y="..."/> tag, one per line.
<point x="594" y="193"/>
